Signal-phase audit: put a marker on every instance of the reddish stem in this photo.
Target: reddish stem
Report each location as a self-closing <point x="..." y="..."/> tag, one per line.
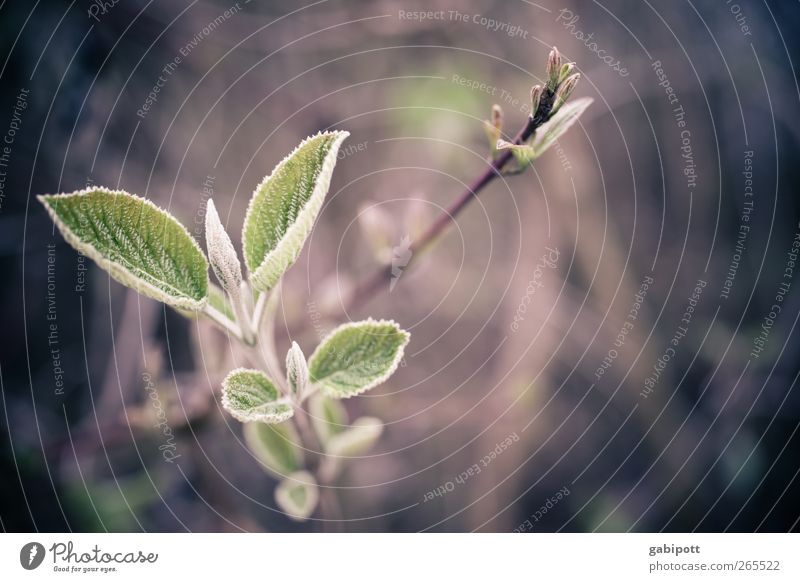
<point x="365" y="290"/>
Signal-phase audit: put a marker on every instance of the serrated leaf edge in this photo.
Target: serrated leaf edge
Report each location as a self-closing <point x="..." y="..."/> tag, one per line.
<point x="254" y="417"/>
<point x="116" y="270"/>
<point x="265" y="277"/>
<point x="380" y="380"/>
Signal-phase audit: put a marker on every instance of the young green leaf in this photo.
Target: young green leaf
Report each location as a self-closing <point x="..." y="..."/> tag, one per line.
<point x="328" y="416"/>
<point x="226" y="266"/>
<point x="296" y="371"/>
<point x="139" y="244"/>
<point x="221" y="253"/>
<point x="357" y="439"/>
<point x="357" y="356"/>
<point x="523" y="153"/>
<point x="219" y="301"/>
<point x="277" y="446"/>
<point x="557" y="125"/>
<point x="251" y="397"/>
<point x="284" y="207"/>
<point x="298" y="495"/>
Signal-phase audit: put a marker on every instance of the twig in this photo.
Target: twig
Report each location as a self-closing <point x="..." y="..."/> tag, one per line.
<point x="367" y="288"/>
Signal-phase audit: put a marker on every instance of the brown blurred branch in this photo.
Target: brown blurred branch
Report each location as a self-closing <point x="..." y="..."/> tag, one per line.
<point x="368" y="287"/>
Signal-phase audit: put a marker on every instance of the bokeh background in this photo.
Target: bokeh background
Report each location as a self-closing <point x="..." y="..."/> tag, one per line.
<point x="626" y="196"/>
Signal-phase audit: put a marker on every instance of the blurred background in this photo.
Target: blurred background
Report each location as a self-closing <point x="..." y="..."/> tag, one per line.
<point x="604" y="321"/>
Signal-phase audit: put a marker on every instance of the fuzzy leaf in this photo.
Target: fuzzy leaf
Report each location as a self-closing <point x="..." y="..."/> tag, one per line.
<point x="298" y="495"/>
<point x="558" y="124"/>
<point x="328" y="416"/>
<point x="357" y="356"/>
<point x="218" y="299"/>
<point x="276" y="446"/>
<point x="251" y="397"/>
<point x="139" y="244"/>
<point x="357" y="439"/>
<point x="296" y="371"/>
<point x="284" y="207"/>
<point x="221" y="253"/>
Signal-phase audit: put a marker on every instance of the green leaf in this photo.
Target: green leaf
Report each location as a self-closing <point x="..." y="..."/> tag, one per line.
<point x="298" y="495"/>
<point x="218" y="299"/>
<point x="523" y="153"/>
<point x="328" y="416"/>
<point x="558" y="124"/>
<point x="357" y="439"/>
<point x="251" y="397"/>
<point x="277" y="446"/>
<point x="284" y="207"/>
<point x="139" y="244"/>
<point x="357" y="356"/>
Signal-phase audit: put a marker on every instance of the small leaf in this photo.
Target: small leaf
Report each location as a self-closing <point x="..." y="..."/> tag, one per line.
<point x="298" y="495"/>
<point x="284" y="207"/>
<point x="558" y="124"/>
<point x="328" y="416"/>
<point x="137" y="243"/>
<point x="357" y="439"/>
<point x="250" y="397"/>
<point x="221" y="253"/>
<point x="492" y="136"/>
<point x="296" y="371"/>
<point x="523" y="154"/>
<point x="219" y="301"/>
<point x="277" y="446"/>
<point x="357" y="356"/>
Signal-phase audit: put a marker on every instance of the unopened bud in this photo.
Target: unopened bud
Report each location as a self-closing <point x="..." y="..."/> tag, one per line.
<point x="566" y="71"/>
<point x="553" y="67"/>
<point x="226" y="266"/>
<point x="296" y="371"/>
<point x="497" y="116"/>
<point x="536" y="97"/>
<point x="494" y="129"/>
<point x="565" y="90"/>
<point x="221" y="253"/>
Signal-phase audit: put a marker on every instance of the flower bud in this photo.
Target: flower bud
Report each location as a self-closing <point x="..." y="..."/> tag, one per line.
<point x="565" y="90"/>
<point x="494" y="129"/>
<point x="536" y="97"/>
<point x="296" y="371"/>
<point x="497" y="116"/>
<point x="553" y="67"/>
<point x="221" y="254"/>
<point x="566" y="71"/>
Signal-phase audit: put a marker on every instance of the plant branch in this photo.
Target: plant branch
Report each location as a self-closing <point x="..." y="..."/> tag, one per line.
<point x="267" y="347"/>
<point x="222" y="320"/>
<point x="367" y="288"/>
